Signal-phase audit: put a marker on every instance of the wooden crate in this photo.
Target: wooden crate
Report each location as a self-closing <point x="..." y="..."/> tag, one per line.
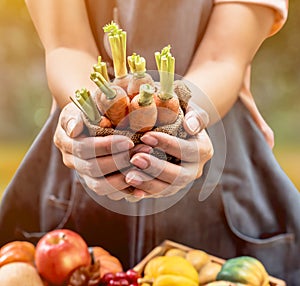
<point x="168" y="244"/>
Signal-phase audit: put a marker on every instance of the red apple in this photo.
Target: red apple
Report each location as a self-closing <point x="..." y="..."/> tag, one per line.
<point x="58" y="253"/>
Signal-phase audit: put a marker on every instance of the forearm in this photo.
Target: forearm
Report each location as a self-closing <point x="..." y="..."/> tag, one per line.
<point x="68" y="70"/>
<point x="233" y="36"/>
<point x="70" y="47"/>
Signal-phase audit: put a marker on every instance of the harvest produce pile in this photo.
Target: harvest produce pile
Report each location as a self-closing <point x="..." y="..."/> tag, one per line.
<point x="132" y="102"/>
<point x="62" y="258"/>
<point x="195" y="267"/>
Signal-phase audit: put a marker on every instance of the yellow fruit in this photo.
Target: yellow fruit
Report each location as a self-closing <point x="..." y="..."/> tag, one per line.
<point x="173" y="265"/>
<point x="198" y="258"/>
<point x="173" y="280"/>
<point x="175" y="252"/>
<point x="222" y="283"/>
<point x="19" y="273"/>
<point x="244" y="269"/>
<point x="209" y="272"/>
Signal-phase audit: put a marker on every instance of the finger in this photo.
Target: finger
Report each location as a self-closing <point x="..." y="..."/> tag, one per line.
<point x="71" y="121"/>
<point x="91" y="147"/>
<point x="149" y="185"/>
<point x="71" y="126"/>
<point x="119" y="195"/>
<point x="177" y="175"/>
<point x="61" y="140"/>
<point x="190" y="150"/>
<point x="99" y="166"/>
<point x="155" y="167"/>
<point x="195" y="120"/>
<point x="140" y="148"/>
<point x="106" y="185"/>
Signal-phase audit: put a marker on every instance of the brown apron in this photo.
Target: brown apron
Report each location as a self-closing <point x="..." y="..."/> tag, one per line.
<point x="243" y="204"/>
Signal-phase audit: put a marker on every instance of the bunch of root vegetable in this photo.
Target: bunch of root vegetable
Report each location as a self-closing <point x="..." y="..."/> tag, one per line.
<point x="133" y="103"/>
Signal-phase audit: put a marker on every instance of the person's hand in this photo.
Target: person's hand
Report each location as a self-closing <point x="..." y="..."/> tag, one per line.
<point x="153" y="177"/>
<point x="96" y="159"/>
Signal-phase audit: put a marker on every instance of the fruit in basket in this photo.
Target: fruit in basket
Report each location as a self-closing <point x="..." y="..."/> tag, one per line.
<point x="198" y="258"/>
<point x="208" y="273"/>
<point x="223" y="283"/>
<point x="59" y="253"/>
<point x="175" y="252"/>
<point x="173" y="280"/>
<point x="128" y="278"/>
<point x="17" y="251"/>
<point x="174" y="267"/>
<point x="108" y="262"/>
<point x="244" y="269"/>
<point x="19" y="273"/>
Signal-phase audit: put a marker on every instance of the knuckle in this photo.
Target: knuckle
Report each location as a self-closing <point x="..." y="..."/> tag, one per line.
<point x="56" y="141"/>
<point x="93" y="185"/>
<point x="121" y="160"/>
<point x="183" y="179"/>
<point x="206" y="150"/>
<point x="148" y="186"/>
<point x="91" y="169"/>
<point x="82" y="150"/>
<point x="208" y="153"/>
<point x="77" y="149"/>
<point x="67" y="162"/>
<point x="199" y="172"/>
<point x="99" y="186"/>
<point x="190" y="152"/>
<point x="166" y="143"/>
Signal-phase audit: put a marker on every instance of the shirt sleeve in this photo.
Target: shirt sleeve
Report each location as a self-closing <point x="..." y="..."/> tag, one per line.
<point x="280" y="7"/>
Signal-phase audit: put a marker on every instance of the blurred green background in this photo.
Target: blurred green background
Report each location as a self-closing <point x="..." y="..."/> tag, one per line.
<point x="25" y="99"/>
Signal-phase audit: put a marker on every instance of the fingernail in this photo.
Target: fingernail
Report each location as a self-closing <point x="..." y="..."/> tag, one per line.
<point x="143" y="149"/>
<point x="193" y="124"/>
<point x="139" y="162"/>
<point x="150" y="140"/>
<point x="140" y="194"/>
<point x="71" y="126"/>
<point x="132" y="178"/>
<point x="124" y="145"/>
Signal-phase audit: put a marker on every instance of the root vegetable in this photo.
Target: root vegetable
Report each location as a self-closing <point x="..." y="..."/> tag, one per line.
<point x="166" y="99"/>
<point x="142" y="110"/>
<point x="137" y="66"/>
<point x="112" y="101"/>
<point x="117" y="40"/>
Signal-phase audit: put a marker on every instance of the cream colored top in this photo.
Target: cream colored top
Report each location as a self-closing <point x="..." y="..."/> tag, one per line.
<point x="281" y="7"/>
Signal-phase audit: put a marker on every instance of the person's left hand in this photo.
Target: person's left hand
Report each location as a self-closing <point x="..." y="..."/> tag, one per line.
<point x="153" y="177"/>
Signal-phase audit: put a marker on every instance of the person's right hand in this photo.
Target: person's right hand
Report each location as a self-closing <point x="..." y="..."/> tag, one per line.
<point x="96" y="159"/>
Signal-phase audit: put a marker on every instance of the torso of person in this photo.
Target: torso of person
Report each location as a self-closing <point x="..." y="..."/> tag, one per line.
<point x="152" y="25"/>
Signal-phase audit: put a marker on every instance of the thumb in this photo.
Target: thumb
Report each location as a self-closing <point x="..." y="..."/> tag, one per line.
<point x="74" y="127"/>
<point x="71" y="121"/>
<point x="195" y="121"/>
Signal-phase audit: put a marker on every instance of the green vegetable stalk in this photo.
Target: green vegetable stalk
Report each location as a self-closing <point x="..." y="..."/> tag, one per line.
<point x="166" y="66"/>
<point x="103" y="84"/>
<point x="86" y="104"/>
<point x="117" y="39"/>
<point x="101" y="68"/>
<point x="137" y="65"/>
